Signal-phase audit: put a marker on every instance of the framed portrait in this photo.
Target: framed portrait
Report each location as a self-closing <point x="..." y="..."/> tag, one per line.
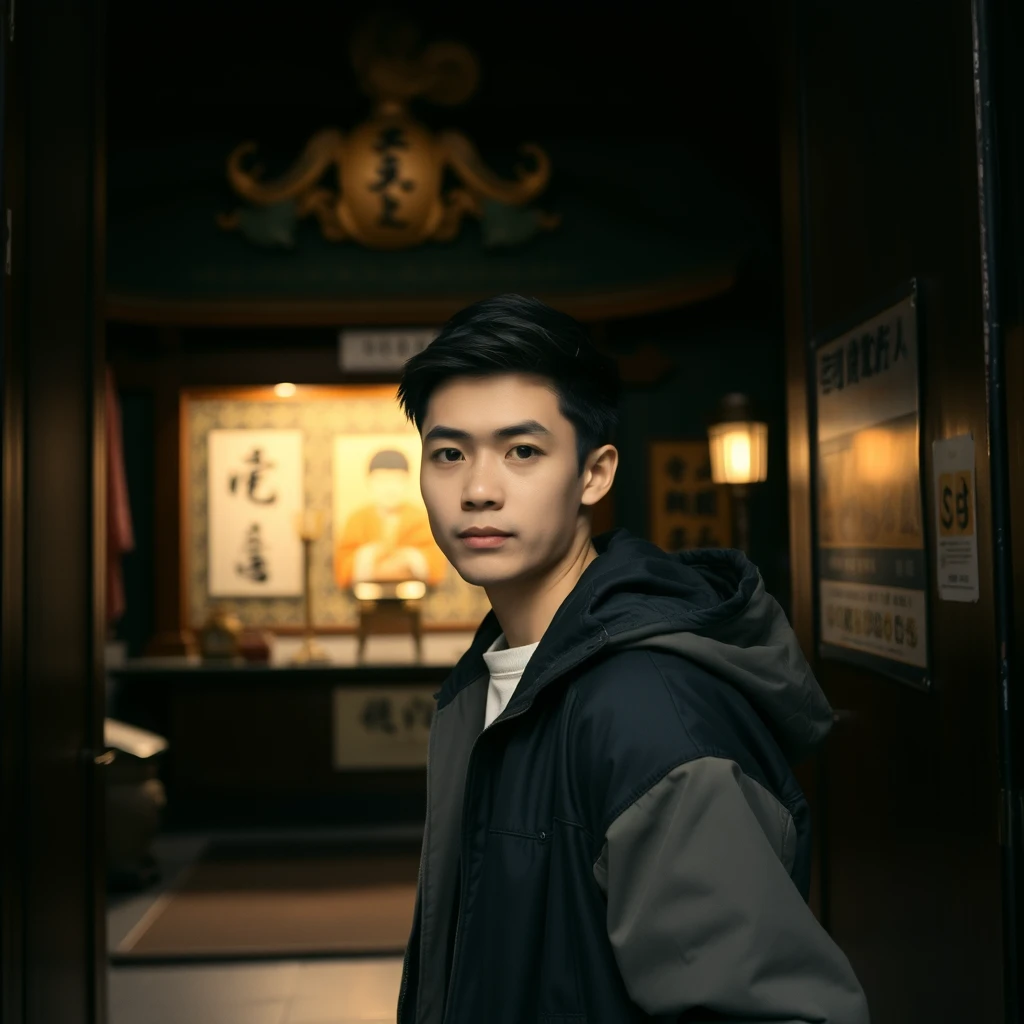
<point x="345" y="450"/>
<point x="381" y="531"/>
<point x="686" y="508"/>
<point x="871" y="577"/>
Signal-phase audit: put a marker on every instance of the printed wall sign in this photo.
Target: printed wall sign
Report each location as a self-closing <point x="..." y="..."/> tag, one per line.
<point x="956" y="536"/>
<point x="872" y="567"/>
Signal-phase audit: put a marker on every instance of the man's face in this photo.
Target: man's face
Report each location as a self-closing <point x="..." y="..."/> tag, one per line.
<point x="524" y="483"/>
<point x="389" y="488"/>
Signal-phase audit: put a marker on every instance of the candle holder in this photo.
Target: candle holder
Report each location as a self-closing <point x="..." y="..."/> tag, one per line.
<point x="309" y="524"/>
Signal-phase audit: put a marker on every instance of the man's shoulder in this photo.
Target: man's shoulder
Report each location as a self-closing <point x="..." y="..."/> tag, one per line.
<point x="649" y="682"/>
<point x="654" y="710"/>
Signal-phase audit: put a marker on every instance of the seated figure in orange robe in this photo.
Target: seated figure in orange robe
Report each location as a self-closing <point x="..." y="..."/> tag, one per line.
<point x="388" y="539"/>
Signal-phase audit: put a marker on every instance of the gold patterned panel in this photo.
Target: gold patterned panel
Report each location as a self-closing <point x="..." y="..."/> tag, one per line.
<point x="322" y="414"/>
<point x="687" y="509"/>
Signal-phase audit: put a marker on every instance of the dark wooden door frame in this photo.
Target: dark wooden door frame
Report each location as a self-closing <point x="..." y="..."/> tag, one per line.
<point x="991" y="100"/>
<point x="53" y="523"/>
<point x="994" y="39"/>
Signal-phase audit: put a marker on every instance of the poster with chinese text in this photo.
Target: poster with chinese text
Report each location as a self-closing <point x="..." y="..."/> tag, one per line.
<point x="872" y="569"/>
<point x="255" y="490"/>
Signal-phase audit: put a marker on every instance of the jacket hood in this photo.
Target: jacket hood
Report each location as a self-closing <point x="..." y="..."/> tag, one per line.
<point x="709" y="606"/>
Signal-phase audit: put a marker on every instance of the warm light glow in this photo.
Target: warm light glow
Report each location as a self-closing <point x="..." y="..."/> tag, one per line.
<point x="284" y="390"/>
<point x="309" y="523"/>
<point x="739" y="452"/>
<point x="367" y="591"/>
<point x="882" y="456"/>
<point x="411" y="590"/>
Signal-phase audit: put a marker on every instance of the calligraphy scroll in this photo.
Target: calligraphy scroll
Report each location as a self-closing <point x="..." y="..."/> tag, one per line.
<point x="255" y="488"/>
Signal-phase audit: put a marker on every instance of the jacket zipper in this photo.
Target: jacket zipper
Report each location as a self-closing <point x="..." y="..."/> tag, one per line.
<point x="419" y="882"/>
<point x="405" y="962"/>
<point x="462" y="836"/>
<point x="462" y="843"/>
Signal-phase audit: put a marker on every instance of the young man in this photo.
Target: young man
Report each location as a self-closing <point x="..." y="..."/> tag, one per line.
<point x="613" y="832"/>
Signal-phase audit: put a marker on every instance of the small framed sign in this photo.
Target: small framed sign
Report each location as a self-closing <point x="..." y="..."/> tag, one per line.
<point x="381" y="350"/>
<point x="382" y="727"/>
<point x="687" y="509"/>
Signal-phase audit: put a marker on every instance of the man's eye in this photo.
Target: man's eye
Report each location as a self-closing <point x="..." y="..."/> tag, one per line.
<point x="527" y="448"/>
<point x="438" y="455"/>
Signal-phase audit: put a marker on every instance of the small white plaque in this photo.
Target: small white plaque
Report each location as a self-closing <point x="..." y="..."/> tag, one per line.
<point x="380" y="727"/>
<point x="379" y="349"/>
<point x="956" y="534"/>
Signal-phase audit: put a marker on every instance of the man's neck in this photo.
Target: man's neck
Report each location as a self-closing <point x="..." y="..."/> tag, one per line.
<point x="525" y="608"/>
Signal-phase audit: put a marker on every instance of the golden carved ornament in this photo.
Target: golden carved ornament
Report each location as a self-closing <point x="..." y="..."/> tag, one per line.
<point x="390" y="169"/>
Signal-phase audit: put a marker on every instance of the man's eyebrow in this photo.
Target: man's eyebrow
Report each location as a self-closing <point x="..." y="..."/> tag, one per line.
<point x="515" y="430"/>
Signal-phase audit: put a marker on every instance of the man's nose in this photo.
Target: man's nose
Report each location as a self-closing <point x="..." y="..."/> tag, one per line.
<point x="481" y="489"/>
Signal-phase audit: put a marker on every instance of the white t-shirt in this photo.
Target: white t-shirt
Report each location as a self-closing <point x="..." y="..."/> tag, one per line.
<point x="506" y="665"/>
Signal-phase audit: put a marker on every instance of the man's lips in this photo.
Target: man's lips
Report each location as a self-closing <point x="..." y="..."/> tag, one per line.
<point x="484" y="540"/>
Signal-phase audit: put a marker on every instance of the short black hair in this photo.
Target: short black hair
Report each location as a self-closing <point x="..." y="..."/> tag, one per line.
<point x="515" y="334"/>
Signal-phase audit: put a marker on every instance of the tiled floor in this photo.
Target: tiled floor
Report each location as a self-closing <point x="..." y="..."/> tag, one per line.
<point x="343" y="991"/>
<point x="283" y="992"/>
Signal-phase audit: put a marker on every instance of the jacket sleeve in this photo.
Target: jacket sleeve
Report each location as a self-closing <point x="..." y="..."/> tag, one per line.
<point x="702" y="913"/>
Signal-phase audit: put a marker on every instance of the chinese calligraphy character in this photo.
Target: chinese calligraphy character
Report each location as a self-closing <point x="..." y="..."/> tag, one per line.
<point x="707" y="538"/>
<point x="882" y="348"/>
<point x="675" y="468"/>
<point x="254" y="478"/>
<point x="677" y="501"/>
<point x="832" y="371"/>
<point x="389" y="174"/>
<point x="676" y="539"/>
<point x="867" y="355"/>
<point x="707" y="502"/>
<point x="255" y="565"/>
<point x="853" y="361"/>
<point x="377" y="715"/>
<point x="417" y="711"/>
<point x="901" y="345"/>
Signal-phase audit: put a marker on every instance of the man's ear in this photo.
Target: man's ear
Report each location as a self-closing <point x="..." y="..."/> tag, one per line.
<point x="599" y="473"/>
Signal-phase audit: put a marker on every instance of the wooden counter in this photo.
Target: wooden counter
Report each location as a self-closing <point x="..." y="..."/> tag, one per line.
<point x="254" y="745"/>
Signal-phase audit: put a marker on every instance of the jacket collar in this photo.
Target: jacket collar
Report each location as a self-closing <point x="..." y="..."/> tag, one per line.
<point x="573" y="635"/>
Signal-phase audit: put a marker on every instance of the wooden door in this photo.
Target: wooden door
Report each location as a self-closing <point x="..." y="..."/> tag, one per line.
<point x="52" y="922"/>
<point x="881" y="185"/>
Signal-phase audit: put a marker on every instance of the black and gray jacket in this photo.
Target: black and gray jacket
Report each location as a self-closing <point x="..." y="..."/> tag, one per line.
<point x="626" y="841"/>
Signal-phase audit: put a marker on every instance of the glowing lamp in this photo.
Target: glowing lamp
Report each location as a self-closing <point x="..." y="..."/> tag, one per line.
<point x="739" y="444"/>
<point x="739" y="456"/>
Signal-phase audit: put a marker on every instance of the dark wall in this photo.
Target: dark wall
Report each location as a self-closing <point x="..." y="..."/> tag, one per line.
<point x="880" y="185"/>
<point x="137" y="625"/>
<point x="731" y="344"/>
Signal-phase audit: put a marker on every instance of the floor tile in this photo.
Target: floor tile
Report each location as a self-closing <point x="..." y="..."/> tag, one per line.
<point x="363" y="990"/>
<point x="193" y="991"/>
<point x="269" y="1012"/>
<point x="343" y="1020"/>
